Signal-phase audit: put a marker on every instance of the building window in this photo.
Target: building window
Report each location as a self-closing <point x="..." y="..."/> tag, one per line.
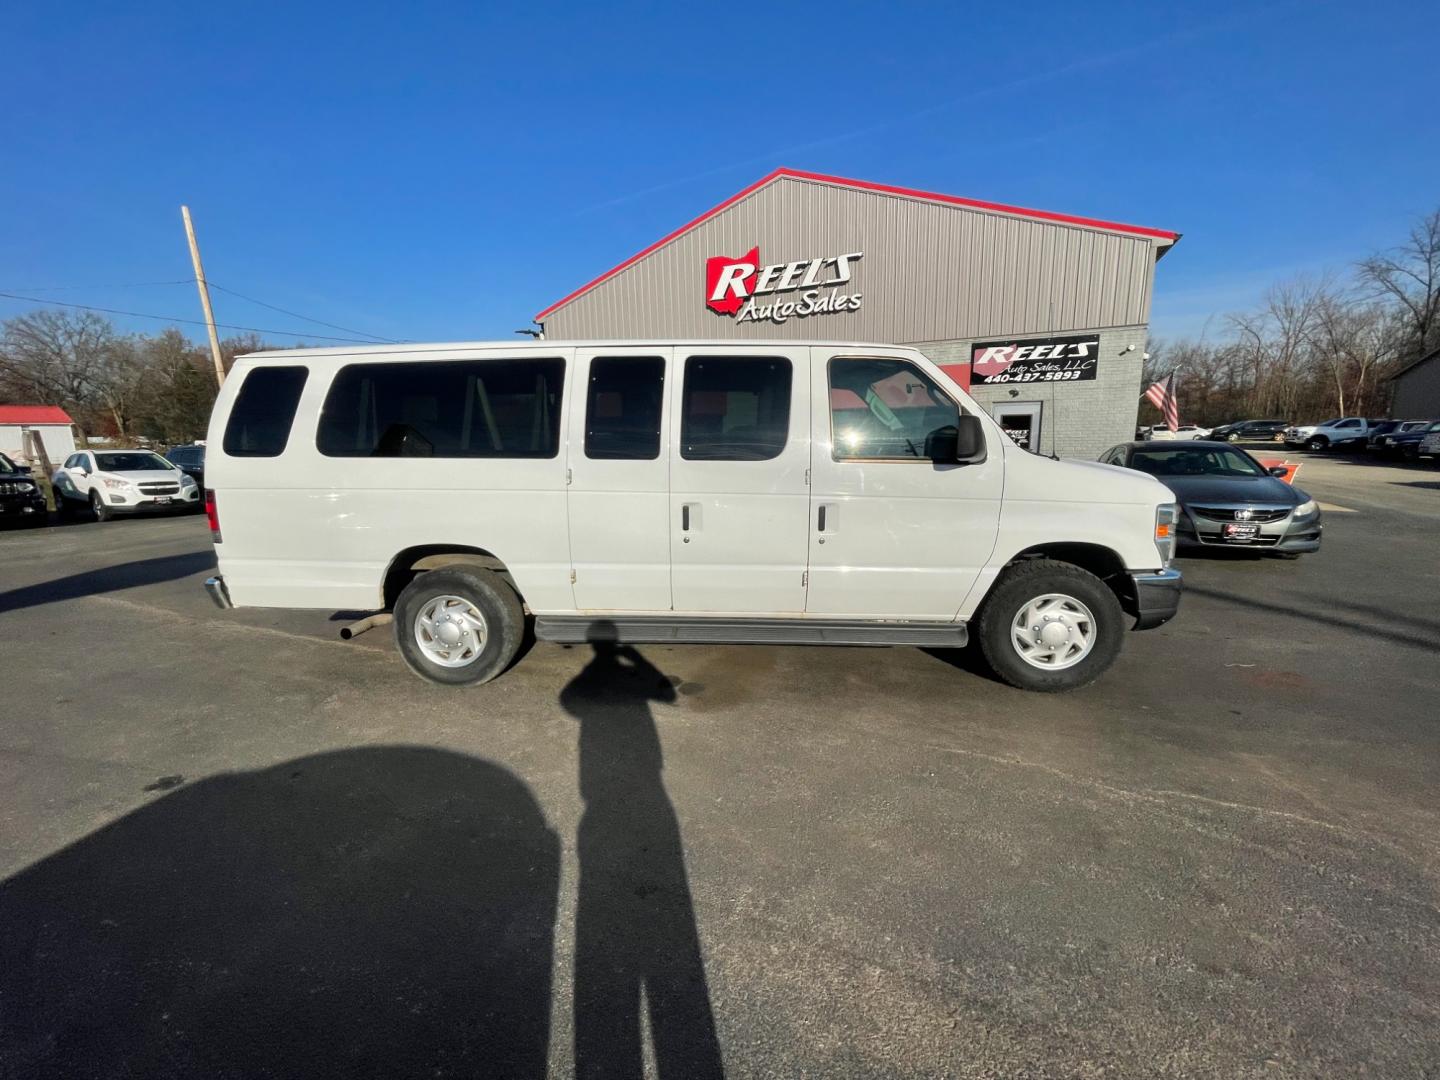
<point x="736" y="408"/>
<point x="886" y="409"/>
<point x="259" y="424"/>
<point x="622" y="413"/>
<point x="502" y="408"/>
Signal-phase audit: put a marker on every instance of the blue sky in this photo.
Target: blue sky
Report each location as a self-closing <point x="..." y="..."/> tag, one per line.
<point x="440" y="172"/>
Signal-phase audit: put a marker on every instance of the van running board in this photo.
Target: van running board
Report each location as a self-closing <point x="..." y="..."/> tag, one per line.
<point x="580" y="629"/>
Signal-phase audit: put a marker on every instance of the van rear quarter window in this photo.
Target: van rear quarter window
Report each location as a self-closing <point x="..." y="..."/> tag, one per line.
<point x="501" y="408"/>
<point x="264" y="410"/>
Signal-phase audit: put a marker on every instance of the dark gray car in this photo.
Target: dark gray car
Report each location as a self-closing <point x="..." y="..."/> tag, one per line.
<point x="1227" y="498"/>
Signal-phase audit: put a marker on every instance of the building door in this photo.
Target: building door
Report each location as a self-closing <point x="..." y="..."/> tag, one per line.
<point x="738" y="497"/>
<point x="619" y="471"/>
<point x="893" y="533"/>
<point x="1021" y="421"/>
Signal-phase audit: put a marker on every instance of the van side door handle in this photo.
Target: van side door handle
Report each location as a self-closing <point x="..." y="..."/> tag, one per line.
<point x="685" y="516"/>
<point x="820" y="520"/>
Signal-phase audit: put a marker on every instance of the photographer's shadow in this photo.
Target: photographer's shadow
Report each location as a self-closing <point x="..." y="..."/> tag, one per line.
<point x="637" y="948"/>
<point x="378" y="912"/>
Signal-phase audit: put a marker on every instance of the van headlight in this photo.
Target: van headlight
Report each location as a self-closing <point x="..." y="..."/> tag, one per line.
<point x="1167" y="517"/>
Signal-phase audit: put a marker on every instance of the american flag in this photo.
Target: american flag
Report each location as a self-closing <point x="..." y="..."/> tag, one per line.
<point x="1162" y="396"/>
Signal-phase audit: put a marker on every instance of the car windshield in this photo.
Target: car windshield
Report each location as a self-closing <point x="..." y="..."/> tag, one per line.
<point x="136" y="462"/>
<point x="1190" y="461"/>
<point x="1328" y="423"/>
<point x="6" y="465"/>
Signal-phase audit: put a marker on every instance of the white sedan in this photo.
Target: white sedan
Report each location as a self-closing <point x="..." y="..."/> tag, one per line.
<point x="1162" y="432"/>
<point x="114" y="482"/>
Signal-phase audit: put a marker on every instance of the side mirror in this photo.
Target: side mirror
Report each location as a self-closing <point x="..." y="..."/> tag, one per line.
<point x="961" y="444"/>
<point x="1278" y="470"/>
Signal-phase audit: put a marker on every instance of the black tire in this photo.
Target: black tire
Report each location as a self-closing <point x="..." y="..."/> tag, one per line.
<point x="492" y="597"/>
<point x="1032" y="578"/>
<point x="98" y="510"/>
<point x="1234" y="436"/>
<point x="1319" y="442"/>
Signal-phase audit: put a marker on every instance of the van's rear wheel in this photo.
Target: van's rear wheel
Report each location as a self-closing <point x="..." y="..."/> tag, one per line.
<point x="1050" y="626"/>
<point x="458" y="627"/>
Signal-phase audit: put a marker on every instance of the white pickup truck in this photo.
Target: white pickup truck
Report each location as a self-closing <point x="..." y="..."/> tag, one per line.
<point x="1330" y="434"/>
<point x="673" y="491"/>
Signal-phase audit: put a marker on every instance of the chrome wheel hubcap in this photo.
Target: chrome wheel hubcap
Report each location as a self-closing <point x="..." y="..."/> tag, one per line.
<point x="1053" y="632"/>
<point x="450" y="631"/>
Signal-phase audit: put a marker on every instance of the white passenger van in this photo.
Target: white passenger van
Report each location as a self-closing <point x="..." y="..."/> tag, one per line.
<point x="680" y="491"/>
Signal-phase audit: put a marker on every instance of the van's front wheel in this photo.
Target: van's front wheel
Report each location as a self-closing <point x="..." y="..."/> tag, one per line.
<point x="1050" y="626"/>
<point x="458" y="627"/>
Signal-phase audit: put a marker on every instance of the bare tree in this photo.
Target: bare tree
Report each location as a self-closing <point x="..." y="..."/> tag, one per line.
<point x="1408" y="276"/>
<point x="55" y="358"/>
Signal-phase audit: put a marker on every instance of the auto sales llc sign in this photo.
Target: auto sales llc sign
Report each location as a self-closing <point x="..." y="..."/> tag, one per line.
<point x="1061" y="359"/>
<point x="752" y="292"/>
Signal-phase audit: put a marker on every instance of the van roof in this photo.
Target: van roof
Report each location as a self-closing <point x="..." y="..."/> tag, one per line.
<point x="418" y="350"/>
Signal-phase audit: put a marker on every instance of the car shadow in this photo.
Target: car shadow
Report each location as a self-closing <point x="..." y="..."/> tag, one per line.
<point x="385" y="911"/>
<point x="637" y="947"/>
<point x="1411" y="638"/>
<point x="108" y="579"/>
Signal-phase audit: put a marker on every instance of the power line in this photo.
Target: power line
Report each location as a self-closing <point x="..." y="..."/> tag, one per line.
<point x="178" y="319"/>
<point x="122" y="285"/>
<point x="297" y="315"/>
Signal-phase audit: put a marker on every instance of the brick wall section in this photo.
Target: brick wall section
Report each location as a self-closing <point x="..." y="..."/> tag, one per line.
<point x="1091" y="416"/>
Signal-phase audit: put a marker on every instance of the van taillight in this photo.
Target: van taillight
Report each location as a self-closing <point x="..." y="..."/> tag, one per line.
<point x="213" y="514"/>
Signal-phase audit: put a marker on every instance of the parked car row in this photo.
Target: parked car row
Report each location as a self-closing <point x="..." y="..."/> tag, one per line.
<point x="1361" y="433"/>
<point x="1409" y="440"/>
<point x="107" y="483"/>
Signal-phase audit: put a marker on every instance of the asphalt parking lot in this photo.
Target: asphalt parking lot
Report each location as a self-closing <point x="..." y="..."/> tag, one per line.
<point x="234" y="845"/>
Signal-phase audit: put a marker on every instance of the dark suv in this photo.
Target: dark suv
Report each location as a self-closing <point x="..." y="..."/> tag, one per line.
<point x="20" y="496"/>
<point x="190" y="460"/>
<point x="1250" y="431"/>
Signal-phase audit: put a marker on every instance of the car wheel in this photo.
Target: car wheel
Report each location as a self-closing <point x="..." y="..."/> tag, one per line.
<point x="1234" y="436"/>
<point x="1317" y="443"/>
<point x="458" y="627"/>
<point x="98" y="510"/>
<point x="1050" y="626"/>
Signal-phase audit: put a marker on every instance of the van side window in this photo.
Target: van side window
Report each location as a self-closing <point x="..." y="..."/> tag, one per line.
<point x="259" y="424"/>
<point x="622" y="413"/>
<point x="502" y="408"/>
<point x="886" y="409"/>
<point x="736" y="408"/>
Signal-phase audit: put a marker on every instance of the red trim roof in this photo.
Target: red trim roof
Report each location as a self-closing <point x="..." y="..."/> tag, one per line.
<point x="34" y="414"/>
<point x="863" y="185"/>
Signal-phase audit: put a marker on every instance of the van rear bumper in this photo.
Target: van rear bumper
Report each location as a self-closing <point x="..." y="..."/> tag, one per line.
<point x="1157" y="598"/>
<point x="215" y="586"/>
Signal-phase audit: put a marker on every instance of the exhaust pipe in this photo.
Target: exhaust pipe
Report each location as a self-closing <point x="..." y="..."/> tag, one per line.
<point x="382" y="619"/>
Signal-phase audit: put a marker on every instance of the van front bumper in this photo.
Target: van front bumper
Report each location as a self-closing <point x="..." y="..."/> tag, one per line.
<point x="1157" y="597"/>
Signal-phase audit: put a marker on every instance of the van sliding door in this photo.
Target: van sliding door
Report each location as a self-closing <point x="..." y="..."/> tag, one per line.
<point x="618" y="493"/>
<point x="738" y="497"/>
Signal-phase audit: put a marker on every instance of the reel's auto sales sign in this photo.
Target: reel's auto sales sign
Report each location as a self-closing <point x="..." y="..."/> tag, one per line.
<point x="819" y="287"/>
<point x="1061" y="359"/>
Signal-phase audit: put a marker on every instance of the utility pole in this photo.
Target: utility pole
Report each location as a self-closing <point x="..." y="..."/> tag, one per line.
<point x="204" y="296"/>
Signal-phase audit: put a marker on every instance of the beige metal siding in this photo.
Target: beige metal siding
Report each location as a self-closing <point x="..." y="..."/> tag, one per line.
<point x="931" y="272"/>
<point x="1417" y="391"/>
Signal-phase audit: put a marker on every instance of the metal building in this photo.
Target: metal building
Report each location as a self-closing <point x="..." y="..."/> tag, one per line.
<point x="1041" y="316"/>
